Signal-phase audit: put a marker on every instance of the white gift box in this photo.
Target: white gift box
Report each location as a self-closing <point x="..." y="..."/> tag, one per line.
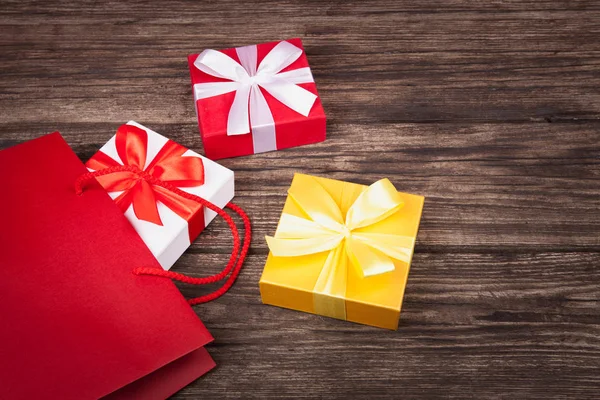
<point x="168" y="241"/>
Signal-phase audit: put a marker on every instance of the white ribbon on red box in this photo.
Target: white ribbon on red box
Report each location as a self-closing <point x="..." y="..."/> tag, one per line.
<point x="250" y="108"/>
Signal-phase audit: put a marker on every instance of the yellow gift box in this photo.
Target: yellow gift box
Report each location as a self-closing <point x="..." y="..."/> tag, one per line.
<point x="342" y="250"/>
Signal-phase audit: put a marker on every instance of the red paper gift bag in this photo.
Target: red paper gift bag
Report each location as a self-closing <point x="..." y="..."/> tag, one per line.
<point x="76" y="322"/>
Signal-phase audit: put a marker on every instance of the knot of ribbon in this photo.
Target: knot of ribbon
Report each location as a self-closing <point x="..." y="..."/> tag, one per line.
<point x="351" y="237"/>
<point x="250" y="108"/>
<point x="135" y="182"/>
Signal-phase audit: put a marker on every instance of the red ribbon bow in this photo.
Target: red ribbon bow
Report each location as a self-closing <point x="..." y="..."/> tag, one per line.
<point x="168" y="166"/>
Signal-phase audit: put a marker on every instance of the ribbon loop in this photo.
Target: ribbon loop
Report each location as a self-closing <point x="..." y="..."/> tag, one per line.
<point x="290" y="94"/>
<point x="248" y="58"/>
<point x="131" y="143"/>
<point x="220" y="65"/>
<point x="376" y="203"/>
<point x="282" y="56"/>
<point x="292" y="227"/>
<point x="211" y="89"/>
<point x="394" y="246"/>
<point x="317" y="203"/>
<point x="297" y="76"/>
<point x="300" y="247"/>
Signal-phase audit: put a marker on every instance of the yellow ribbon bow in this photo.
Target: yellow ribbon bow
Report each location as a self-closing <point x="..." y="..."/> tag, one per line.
<point x="325" y="229"/>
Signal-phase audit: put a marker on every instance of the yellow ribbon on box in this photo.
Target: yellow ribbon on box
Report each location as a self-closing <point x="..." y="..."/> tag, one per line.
<point x="347" y="238"/>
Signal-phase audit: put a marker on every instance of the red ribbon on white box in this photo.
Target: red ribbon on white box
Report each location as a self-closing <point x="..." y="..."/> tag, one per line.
<point x="166" y="221"/>
<point x="168" y="165"/>
<point x="250" y="108"/>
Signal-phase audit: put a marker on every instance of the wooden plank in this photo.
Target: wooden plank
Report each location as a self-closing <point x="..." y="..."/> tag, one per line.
<point x="495" y="187"/>
<point x="472" y="326"/>
<point x="377" y="62"/>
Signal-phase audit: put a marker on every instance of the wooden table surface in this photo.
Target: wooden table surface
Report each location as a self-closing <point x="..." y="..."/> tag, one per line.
<point x="490" y="109"/>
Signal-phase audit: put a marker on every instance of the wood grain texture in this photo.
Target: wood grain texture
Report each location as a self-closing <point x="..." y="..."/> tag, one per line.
<point x="489" y="109"/>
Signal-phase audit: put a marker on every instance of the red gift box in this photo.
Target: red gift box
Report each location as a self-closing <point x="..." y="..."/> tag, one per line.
<point x="255" y="99"/>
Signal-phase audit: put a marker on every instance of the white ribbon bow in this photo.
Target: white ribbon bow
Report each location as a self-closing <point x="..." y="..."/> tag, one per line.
<point x="245" y="79"/>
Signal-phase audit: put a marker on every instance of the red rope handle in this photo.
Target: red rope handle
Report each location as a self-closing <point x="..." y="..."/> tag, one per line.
<point x="232" y="266"/>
